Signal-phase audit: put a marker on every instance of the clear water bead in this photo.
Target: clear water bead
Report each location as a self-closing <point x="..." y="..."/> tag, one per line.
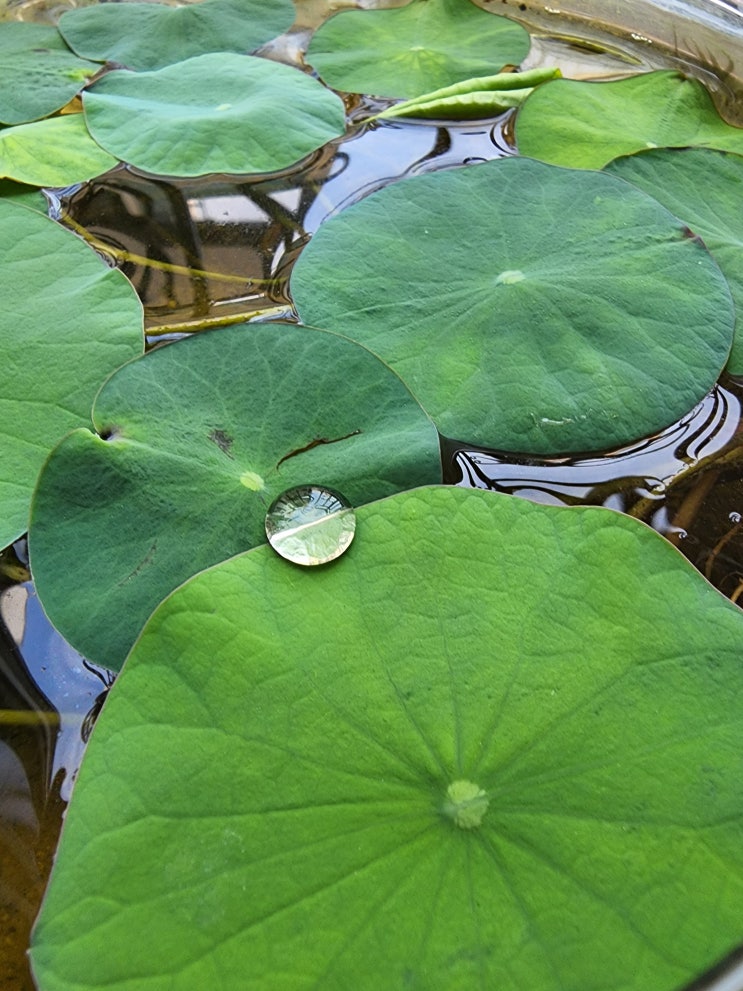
<point x="310" y="525"/>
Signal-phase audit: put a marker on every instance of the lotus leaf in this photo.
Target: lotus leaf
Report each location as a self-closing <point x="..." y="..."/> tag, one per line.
<point x="407" y="51"/>
<point x="68" y="321"/>
<point x="22" y="195"/>
<point x="586" y="124"/>
<point x="195" y="441"/>
<point x="527" y="307"/>
<point x="495" y="745"/>
<point x="54" y="152"/>
<point x="213" y="113"/>
<point x="153" y="35"/>
<point x="38" y="72"/>
<point x="704" y="188"/>
<point x="485" y="96"/>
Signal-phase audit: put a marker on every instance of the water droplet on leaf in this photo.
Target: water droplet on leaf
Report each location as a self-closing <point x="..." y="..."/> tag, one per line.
<point x="310" y="525"/>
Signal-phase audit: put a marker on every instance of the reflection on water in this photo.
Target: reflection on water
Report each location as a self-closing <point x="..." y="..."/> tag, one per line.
<point x="46" y="694"/>
<point x="686" y="482"/>
<point x="200" y="251"/>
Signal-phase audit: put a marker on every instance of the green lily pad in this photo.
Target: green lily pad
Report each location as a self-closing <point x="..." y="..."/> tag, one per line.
<point x="704" y="188"/>
<point x="407" y="51"/>
<point x="474" y="98"/>
<point x="68" y="322"/>
<point x="200" y="437"/>
<point x="495" y="745"/>
<point x="213" y="113"/>
<point x="586" y="124"/>
<point x="153" y="35"/>
<point x="529" y="308"/>
<point x="38" y="72"/>
<point x="54" y="152"/>
<point x="22" y="195"/>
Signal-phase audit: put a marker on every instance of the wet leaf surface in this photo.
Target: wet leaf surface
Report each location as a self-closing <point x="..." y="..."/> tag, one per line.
<point x="201" y="437"/>
<point x="528" y="308"/>
<point x="54" y="152"/>
<point x="429" y="764"/>
<point x="68" y="321"/>
<point x="38" y="72"/>
<point x="152" y="35"/>
<point x="586" y="124"/>
<point x="410" y="50"/>
<point x="704" y="188"/>
<point x="213" y="113"/>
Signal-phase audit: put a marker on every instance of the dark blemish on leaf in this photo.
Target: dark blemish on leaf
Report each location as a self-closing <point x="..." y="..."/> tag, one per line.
<point x="315" y="443"/>
<point x="109" y="433"/>
<point x="688" y="233"/>
<point x="147" y="559"/>
<point x="522" y="6"/>
<point x="223" y="441"/>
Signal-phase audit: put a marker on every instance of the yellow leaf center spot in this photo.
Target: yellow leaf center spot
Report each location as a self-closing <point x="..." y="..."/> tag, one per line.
<point x="510" y="276"/>
<point x="466" y="804"/>
<point x="252" y="481"/>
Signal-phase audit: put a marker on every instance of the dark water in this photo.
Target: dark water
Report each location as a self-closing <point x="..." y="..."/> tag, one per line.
<point x="209" y="251"/>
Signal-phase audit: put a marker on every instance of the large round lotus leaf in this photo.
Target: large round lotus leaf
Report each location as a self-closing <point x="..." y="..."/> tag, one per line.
<point x="38" y="72"/>
<point x="586" y="124"/>
<point x="151" y="35"/>
<point x="705" y="189"/>
<point x="527" y="307"/>
<point x="68" y="321"/>
<point x="411" y="50"/>
<point x="54" y="152"/>
<point x="214" y="113"/>
<point x="201" y="437"/>
<point x="494" y="746"/>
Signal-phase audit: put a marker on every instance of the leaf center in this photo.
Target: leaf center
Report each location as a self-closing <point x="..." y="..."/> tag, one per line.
<point x="466" y="804"/>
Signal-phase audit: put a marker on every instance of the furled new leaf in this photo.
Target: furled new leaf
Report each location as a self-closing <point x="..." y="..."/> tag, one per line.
<point x="213" y="113"/>
<point x="586" y="124"/>
<point x="474" y="98"/>
<point x="152" y="35"/>
<point x="68" y="321"/>
<point x="705" y="189"/>
<point x="38" y="72"/>
<point x="527" y="307"/>
<point x="58" y="151"/>
<point x="197" y="439"/>
<point x="495" y="745"/>
<point x="410" y="50"/>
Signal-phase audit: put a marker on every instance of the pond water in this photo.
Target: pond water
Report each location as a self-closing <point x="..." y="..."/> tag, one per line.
<point x="209" y="251"/>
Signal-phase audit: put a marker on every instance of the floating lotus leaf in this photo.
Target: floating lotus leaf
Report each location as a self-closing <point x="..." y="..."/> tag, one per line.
<point x="152" y="35"/>
<point x="214" y="113"/>
<point x="527" y="307"/>
<point x="495" y="745"/>
<point x="38" y="72"/>
<point x="407" y="51"/>
<point x="705" y="189"/>
<point x="197" y="439"/>
<point x="54" y="152"/>
<point x="586" y="124"/>
<point x="68" y="321"/>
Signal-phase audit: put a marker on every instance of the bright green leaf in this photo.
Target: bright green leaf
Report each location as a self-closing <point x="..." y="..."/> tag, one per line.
<point x="495" y="745"/>
<point x="68" y="321"/>
<point x="407" y="51"/>
<point x="152" y="35"/>
<point x="38" y="72"/>
<point x="201" y="437"/>
<point x="528" y="308"/>
<point x="214" y="113"/>
<point x="586" y="124"/>
<point x="473" y="98"/>
<point x="705" y="189"/>
<point x="54" y="152"/>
